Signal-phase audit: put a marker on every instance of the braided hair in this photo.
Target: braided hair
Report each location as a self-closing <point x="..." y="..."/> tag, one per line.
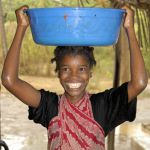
<point x="61" y="51"/>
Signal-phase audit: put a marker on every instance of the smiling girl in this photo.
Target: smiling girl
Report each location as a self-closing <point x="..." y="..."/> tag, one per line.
<point x="76" y="120"/>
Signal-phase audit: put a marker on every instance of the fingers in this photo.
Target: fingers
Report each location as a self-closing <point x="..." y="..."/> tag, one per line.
<point x="127" y="8"/>
<point x="21" y="9"/>
<point x="128" y="17"/>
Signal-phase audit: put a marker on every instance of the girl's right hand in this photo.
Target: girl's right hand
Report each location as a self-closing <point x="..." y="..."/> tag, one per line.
<point x="22" y="18"/>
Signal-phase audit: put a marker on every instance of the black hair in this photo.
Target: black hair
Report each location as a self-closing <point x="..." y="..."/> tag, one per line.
<point x="61" y="51"/>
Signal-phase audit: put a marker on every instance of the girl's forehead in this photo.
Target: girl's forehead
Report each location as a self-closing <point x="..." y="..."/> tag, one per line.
<point x="74" y="59"/>
<point x="73" y="56"/>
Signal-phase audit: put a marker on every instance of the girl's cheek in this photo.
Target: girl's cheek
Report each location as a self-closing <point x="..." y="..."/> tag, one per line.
<point x="64" y="75"/>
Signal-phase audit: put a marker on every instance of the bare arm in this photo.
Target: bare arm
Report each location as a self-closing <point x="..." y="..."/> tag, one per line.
<point x="22" y="90"/>
<point x="139" y="77"/>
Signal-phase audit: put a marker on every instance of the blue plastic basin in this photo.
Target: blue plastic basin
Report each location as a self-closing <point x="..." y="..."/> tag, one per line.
<point x="75" y="26"/>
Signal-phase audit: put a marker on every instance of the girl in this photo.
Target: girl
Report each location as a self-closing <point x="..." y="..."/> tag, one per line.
<point x="76" y="119"/>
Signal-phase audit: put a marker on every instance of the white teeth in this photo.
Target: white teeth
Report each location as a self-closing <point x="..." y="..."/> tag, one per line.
<point x="74" y="85"/>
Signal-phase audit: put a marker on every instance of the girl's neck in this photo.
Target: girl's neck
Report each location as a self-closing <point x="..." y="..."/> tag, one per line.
<point x="74" y="99"/>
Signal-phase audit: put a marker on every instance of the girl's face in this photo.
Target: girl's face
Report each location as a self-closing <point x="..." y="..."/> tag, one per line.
<point x="74" y="74"/>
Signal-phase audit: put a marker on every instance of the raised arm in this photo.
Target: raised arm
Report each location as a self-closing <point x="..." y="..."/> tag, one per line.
<point x="21" y="89"/>
<point x="139" y="77"/>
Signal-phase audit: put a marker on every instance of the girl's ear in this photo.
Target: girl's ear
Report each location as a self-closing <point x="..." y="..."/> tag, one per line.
<point x="57" y="74"/>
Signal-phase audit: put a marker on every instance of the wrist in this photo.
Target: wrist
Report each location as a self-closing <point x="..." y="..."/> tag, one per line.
<point x="22" y="27"/>
<point x="130" y="28"/>
<point x="131" y="34"/>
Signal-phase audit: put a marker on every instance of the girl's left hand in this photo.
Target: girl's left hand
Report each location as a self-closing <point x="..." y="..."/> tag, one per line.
<point x="129" y="17"/>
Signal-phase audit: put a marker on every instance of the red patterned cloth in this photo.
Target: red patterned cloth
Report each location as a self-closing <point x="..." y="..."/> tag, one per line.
<point x="75" y="128"/>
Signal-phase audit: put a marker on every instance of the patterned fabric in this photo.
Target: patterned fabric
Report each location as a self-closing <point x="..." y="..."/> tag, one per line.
<point x="75" y="128"/>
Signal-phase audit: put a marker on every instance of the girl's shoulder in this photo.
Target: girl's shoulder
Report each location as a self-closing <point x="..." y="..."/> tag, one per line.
<point x="49" y="96"/>
<point x="97" y="96"/>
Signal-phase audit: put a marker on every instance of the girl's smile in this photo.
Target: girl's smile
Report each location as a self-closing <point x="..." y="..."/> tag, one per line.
<point x="73" y="85"/>
<point x="74" y="74"/>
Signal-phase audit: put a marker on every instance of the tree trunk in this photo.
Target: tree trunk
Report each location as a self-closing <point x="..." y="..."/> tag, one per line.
<point x="121" y="71"/>
<point x="2" y="31"/>
<point x="125" y="58"/>
<point x="111" y="136"/>
<point x="111" y="140"/>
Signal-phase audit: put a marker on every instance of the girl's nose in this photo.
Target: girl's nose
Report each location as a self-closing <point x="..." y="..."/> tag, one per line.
<point x="74" y="73"/>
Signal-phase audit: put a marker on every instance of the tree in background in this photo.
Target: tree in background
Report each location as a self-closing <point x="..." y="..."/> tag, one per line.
<point x="3" y="33"/>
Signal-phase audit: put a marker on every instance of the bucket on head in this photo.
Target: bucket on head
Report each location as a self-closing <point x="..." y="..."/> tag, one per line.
<point x="75" y="26"/>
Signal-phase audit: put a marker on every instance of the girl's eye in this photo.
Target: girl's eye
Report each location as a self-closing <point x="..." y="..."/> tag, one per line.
<point x="65" y="69"/>
<point x="83" y="69"/>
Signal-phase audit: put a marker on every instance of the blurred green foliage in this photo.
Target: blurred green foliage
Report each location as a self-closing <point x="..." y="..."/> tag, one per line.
<point x="9" y="6"/>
